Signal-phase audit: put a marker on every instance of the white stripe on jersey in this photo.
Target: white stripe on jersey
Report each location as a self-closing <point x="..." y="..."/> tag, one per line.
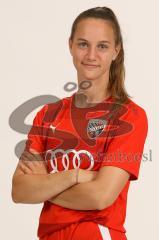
<point x="104" y="232"/>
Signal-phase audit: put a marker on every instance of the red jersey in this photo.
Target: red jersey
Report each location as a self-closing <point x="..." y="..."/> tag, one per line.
<point x="108" y="134"/>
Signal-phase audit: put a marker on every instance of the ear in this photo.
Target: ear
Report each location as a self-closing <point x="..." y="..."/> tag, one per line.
<point x="117" y="50"/>
<point x="70" y="45"/>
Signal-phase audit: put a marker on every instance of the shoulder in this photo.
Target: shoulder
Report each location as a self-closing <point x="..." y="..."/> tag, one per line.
<point x="49" y="111"/>
<point x="128" y="117"/>
<point x="135" y="115"/>
<point x="135" y="111"/>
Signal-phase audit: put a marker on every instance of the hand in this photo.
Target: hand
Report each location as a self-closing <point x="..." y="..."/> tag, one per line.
<point x="86" y="175"/>
<point x="32" y="163"/>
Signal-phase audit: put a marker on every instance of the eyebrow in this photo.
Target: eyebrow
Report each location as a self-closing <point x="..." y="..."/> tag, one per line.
<point x="82" y="39"/>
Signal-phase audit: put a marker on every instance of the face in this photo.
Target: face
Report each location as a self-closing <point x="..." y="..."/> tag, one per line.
<point x="93" y="49"/>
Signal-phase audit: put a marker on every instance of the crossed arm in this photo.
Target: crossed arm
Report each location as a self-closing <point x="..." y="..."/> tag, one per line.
<point x="92" y="191"/>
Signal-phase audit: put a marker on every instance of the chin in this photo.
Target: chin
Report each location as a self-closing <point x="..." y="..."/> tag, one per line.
<point x="89" y="77"/>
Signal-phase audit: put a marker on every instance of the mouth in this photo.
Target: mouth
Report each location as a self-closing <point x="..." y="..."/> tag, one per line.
<point x="90" y="66"/>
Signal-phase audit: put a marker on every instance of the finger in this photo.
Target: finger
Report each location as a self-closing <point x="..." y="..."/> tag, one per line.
<point x="38" y="160"/>
<point x="37" y="168"/>
<point x="41" y="166"/>
<point x="32" y="160"/>
<point x="30" y="165"/>
<point x="24" y="168"/>
<point x="29" y="156"/>
<point x="23" y="158"/>
<point x="36" y="154"/>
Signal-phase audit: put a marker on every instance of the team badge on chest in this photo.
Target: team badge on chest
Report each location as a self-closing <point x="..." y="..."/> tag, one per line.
<point x="95" y="127"/>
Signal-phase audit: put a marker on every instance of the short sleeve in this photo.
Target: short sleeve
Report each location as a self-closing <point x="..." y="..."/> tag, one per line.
<point x="125" y="151"/>
<point x="35" y="139"/>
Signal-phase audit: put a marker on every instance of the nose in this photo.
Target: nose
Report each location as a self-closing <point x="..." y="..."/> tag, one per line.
<point x="91" y="54"/>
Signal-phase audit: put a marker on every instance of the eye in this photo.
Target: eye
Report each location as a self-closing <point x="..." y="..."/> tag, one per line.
<point x="82" y="44"/>
<point x="102" y="46"/>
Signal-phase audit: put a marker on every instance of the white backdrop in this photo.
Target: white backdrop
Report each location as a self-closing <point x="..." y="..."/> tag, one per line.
<point x="35" y="60"/>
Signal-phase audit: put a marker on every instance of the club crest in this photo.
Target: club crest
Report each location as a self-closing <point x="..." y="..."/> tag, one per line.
<point x="95" y="127"/>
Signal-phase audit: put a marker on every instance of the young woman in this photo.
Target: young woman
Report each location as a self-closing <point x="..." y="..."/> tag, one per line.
<point x="92" y="142"/>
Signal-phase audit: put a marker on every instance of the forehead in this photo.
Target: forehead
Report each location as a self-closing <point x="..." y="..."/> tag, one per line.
<point x="94" y="29"/>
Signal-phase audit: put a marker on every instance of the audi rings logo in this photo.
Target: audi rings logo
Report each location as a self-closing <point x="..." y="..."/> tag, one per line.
<point x="76" y="160"/>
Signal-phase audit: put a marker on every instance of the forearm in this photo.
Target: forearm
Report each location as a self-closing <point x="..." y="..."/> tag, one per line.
<point x="79" y="197"/>
<point x="30" y="188"/>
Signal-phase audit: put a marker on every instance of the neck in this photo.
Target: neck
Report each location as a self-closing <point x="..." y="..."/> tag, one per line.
<point x="91" y="92"/>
